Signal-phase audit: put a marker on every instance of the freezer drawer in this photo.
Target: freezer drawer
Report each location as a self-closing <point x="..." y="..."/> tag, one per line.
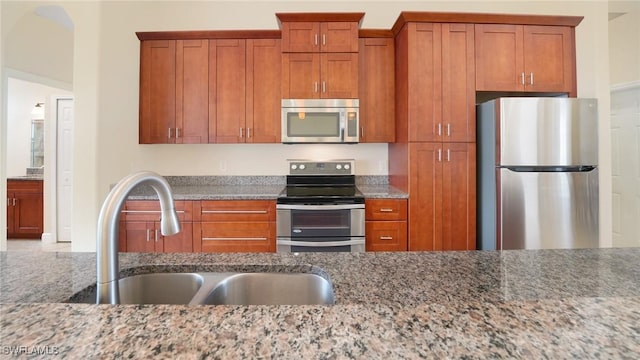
<point x="547" y="210"/>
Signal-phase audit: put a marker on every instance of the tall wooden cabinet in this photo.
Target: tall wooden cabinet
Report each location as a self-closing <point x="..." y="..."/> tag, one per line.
<point x="434" y="159"/>
<point x="320" y="55"/>
<point x="25" y="209"/>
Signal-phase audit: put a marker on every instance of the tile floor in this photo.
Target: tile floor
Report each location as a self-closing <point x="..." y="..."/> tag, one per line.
<point x="36" y="245"/>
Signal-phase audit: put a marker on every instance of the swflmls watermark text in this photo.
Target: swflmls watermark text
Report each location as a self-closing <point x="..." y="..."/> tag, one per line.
<point x="29" y="350"/>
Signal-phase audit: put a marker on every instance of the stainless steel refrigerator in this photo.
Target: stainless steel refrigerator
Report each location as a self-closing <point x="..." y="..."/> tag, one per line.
<point x="537" y="173"/>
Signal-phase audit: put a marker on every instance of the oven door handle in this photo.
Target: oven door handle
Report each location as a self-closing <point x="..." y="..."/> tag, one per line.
<point x="320" y="207"/>
<point x="320" y="243"/>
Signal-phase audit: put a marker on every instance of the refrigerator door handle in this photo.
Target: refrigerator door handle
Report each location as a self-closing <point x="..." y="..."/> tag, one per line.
<point x="576" y="168"/>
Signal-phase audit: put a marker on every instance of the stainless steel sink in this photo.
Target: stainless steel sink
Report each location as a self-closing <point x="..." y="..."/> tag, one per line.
<point x="213" y="288"/>
<point x="271" y="289"/>
<point x="160" y="288"/>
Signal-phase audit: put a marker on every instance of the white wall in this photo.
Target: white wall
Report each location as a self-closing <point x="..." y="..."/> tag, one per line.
<point x="624" y="42"/>
<point x="106" y="54"/>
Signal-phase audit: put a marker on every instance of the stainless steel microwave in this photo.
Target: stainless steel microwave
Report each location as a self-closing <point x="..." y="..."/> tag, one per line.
<point x="320" y="121"/>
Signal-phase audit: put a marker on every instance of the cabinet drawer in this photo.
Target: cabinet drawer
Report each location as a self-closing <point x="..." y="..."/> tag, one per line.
<point x="386" y="236"/>
<point x="149" y="210"/>
<point x="236" y="210"/>
<point x="238" y="237"/>
<point x="25" y="186"/>
<point x="386" y="209"/>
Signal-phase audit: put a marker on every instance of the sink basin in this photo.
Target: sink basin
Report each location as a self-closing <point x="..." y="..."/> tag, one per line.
<point x="160" y="288"/>
<point x="271" y="289"/>
<point x="220" y="288"/>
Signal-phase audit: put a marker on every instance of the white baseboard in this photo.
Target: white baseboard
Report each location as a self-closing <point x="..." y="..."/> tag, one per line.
<point x="47" y="238"/>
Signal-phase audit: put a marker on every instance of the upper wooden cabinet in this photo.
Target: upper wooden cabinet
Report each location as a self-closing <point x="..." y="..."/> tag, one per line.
<point x="157" y="91"/>
<point x="227" y="89"/>
<point x="525" y="58"/>
<point x="210" y="87"/>
<point x="320" y="76"/>
<point x="319" y="32"/>
<point x="377" y="90"/>
<point x="320" y="36"/>
<point x="320" y="55"/>
<point x="263" y="94"/>
<point x="435" y="83"/>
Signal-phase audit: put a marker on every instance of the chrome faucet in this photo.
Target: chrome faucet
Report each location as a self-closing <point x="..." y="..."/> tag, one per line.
<point x="107" y="244"/>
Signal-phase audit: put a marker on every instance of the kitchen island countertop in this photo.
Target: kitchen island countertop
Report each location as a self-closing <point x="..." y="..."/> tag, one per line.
<point x="477" y="304"/>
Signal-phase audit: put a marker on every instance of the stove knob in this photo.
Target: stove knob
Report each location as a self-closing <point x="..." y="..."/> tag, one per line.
<point x="302" y="166"/>
<point x="338" y="166"/>
<point x="294" y="166"/>
<point x="347" y="166"/>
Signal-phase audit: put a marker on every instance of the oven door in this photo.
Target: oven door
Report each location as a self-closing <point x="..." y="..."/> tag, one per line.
<point x="304" y="228"/>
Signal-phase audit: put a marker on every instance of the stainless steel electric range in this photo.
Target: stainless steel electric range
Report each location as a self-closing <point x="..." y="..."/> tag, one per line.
<point x="320" y="209"/>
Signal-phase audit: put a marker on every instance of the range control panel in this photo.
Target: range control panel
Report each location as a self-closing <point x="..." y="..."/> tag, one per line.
<point x="331" y="167"/>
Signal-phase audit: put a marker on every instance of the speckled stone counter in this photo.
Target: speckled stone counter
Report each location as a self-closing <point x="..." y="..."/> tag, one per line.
<point x="510" y="304"/>
<point x="251" y="188"/>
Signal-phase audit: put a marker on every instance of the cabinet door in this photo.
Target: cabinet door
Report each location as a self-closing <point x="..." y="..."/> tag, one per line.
<point x="180" y="242"/>
<point x="28" y="215"/>
<point x="192" y="91"/>
<point x="339" y="75"/>
<point x="459" y="196"/>
<point x="300" y="37"/>
<point x="300" y="76"/>
<point x="339" y="37"/>
<point x="425" y="82"/>
<point x="263" y="90"/>
<point x="425" y="199"/>
<point x="458" y="82"/>
<point x="139" y="236"/>
<point x="157" y="91"/>
<point x="227" y="91"/>
<point x="377" y="90"/>
<point x="499" y="57"/>
<point x="548" y="58"/>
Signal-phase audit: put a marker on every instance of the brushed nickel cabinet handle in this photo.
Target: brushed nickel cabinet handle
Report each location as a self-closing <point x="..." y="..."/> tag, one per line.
<point x="522" y="78"/>
<point x="439" y="155"/>
<point x="324" y="86"/>
<point x="148" y="211"/>
<point x="148" y="230"/>
<point x="156" y="234"/>
<point x="386" y="237"/>
<point x="448" y="154"/>
<point x="177" y="133"/>
<point x="386" y="210"/>
<point x="234" y="238"/>
<point x="324" y="39"/>
<point x="315" y="40"/>
<point x="169" y="133"/>
<point x="439" y="129"/>
<point x="248" y="133"/>
<point x="531" y="79"/>
<point x="449" y="129"/>
<point x="234" y="211"/>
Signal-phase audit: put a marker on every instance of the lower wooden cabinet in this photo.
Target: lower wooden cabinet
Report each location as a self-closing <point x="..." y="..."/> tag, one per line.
<point x="442" y="196"/>
<point x="386" y="224"/>
<point x="235" y="225"/>
<point x="140" y="228"/>
<point x="25" y="209"/>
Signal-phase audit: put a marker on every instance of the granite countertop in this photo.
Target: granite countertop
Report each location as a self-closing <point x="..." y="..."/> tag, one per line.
<point x="251" y="188"/>
<point x="476" y="304"/>
<point x="27" y="177"/>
